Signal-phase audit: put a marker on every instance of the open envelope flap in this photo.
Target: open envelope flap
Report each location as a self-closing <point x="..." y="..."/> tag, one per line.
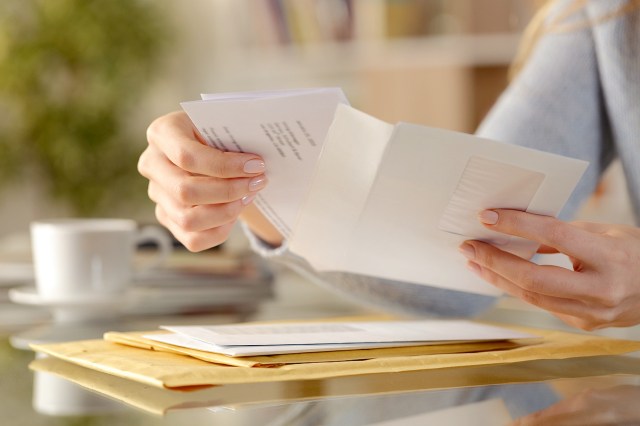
<point x="136" y="339"/>
<point x="175" y="371"/>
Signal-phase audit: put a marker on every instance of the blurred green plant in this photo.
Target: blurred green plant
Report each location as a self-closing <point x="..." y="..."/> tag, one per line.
<point x="70" y="73"/>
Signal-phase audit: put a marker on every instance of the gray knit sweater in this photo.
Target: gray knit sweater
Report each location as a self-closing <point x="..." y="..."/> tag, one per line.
<point x="578" y="96"/>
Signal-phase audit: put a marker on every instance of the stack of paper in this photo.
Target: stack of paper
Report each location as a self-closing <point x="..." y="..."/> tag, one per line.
<point x="273" y="339"/>
<point x="205" y="282"/>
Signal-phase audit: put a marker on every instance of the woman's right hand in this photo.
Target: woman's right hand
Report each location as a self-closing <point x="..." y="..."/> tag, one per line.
<point x="199" y="191"/>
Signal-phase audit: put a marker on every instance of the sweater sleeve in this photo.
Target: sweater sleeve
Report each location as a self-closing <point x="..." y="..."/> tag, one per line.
<point x="556" y="104"/>
<point x="399" y="298"/>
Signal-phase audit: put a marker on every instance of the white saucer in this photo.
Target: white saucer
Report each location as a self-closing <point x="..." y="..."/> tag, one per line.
<point x="80" y="309"/>
<point x="28" y="295"/>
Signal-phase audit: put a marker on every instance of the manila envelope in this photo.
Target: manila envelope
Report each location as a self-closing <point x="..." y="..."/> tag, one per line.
<point x="175" y="371"/>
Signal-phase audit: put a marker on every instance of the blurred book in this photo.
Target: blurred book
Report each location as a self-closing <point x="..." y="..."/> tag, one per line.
<point x="206" y="282"/>
<point x="304" y="22"/>
<point x="212" y="282"/>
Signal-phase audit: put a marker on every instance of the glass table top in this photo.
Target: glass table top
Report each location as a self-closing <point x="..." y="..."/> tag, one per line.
<point x="581" y="391"/>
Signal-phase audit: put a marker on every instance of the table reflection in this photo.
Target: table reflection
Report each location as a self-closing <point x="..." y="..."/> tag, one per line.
<point x="615" y="405"/>
<point x="521" y="404"/>
<point x="489" y="395"/>
<point x="55" y="396"/>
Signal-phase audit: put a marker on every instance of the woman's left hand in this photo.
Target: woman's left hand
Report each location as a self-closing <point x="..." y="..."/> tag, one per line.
<point x="603" y="290"/>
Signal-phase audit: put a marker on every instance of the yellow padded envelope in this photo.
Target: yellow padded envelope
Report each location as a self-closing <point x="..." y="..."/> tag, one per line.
<point x="175" y="371"/>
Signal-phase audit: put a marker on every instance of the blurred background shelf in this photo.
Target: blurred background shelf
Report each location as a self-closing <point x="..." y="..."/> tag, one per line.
<point x="434" y="62"/>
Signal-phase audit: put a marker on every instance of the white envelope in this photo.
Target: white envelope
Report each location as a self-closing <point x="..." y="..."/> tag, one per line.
<point x="319" y="334"/>
<point x="397" y="201"/>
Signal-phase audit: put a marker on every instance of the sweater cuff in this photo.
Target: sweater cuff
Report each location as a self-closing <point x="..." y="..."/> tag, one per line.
<point x="262" y="247"/>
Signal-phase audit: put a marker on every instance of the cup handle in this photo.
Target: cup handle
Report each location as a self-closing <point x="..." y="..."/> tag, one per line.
<point x="158" y="236"/>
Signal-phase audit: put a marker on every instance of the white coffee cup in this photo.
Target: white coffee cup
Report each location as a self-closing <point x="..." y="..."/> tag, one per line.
<point x="89" y="258"/>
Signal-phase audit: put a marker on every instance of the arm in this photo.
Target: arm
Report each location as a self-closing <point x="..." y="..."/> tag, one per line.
<point x="557" y="105"/>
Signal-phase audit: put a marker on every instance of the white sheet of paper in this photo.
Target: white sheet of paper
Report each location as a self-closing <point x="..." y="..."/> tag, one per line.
<point x="286" y="128"/>
<point x="396" y="231"/>
<point x="185" y="341"/>
<point x="346" y="332"/>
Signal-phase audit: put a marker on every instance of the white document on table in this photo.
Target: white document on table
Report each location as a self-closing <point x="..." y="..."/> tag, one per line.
<point x="320" y="334"/>
<point x="184" y="341"/>
<point x="397" y="201"/>
<point x="355" y="194"/>
<point x="286" y="128"/>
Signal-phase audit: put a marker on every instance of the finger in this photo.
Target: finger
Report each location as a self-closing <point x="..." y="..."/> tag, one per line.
<point x="575" y="322"/>
<point x="196" y="218"/>
<point x="200" y="190"/>
<point x="574" y="312"/>
<point x="188" y="189"/>
<point x="589" y="323"/>
<point x="549" y="303"/>
<point x="195" y="241"/>
<point x="147" y="160"/>
<point x="540" y="279"/>
<point x="564" y="237"/>
<point x="602" y="318"/>
<point x="175" y="136"/>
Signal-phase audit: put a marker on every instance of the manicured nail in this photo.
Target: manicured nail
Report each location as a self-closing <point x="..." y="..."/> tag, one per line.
<point x="254" y="166"/>
<point x="257" y="183"/>
<point x="247" y="199"/>
<point x="468" y="251"/>
<point x="488" y="217"/>
<point x="474" y="267"/>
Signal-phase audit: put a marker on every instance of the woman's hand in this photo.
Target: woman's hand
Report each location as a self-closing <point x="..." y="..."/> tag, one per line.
<point x="199" y="191"/>
<point x="603" y="290"/>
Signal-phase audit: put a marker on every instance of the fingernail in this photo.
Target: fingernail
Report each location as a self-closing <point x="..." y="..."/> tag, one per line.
<point x="488" y="217"/>
<point x="247" y="199"/>
<point x="474" y="267"/>
<point x="257" y="183"/>
<point x="468" y="251"/>
<point x="254" y="166"/>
